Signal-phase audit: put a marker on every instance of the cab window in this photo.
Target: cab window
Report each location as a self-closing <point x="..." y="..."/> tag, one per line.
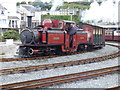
<point x="60" y="25"/>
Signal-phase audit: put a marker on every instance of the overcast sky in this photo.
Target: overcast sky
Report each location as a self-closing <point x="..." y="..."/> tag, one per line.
<point x="11" y="4"/>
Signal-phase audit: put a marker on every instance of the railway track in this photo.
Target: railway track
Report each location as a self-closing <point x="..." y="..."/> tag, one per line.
<point x="42" y="57"/>
<point x="57" y="65"/>
<point x="61" y="79"/>
<point x="114" y="45"/>
<point x="114" y="88"/>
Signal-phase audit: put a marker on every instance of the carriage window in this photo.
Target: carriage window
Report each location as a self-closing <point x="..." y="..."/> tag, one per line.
<point x="93" y="30"/>
<point x="106" y="33"/>
<point x="100" y="31"/>
<point x="97" y="31"/>
<point x="109" y="33"/>
<point x="118" y="31"/>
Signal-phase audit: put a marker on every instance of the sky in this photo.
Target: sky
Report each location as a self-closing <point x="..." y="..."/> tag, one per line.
<point x="11" y="4"/>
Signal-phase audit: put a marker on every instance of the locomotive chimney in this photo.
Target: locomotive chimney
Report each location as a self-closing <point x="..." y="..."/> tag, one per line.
<point x="29" y="21"/>
<point x="80" y="25"/>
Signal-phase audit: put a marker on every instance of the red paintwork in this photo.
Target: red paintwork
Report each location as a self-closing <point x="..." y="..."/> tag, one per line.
<point x="51" y="23"/>
<point x="108" y="37"/>
<point x="81" y="38"/>
<point x="55" y="38"/>
<point x="62" y="38"/>
<point x="117" y="37"/>
<point x="47" y="23"/>
<point x="89" y="29"/>
<point x="44" y="38"/>
<point x="35" y="51"/>
<point x="74" y="40"/>
<point x="67" y="41"/>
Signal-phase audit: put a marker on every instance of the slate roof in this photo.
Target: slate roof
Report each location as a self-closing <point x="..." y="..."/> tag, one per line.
<point x="30" y="8"/>
<point x="1" y="7"/>
<point x="13" y="17"/>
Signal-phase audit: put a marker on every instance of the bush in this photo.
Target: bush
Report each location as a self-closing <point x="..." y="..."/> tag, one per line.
<point x="62" y="17"/>
<point x="57" y="17"/>
<point x="10" y="34"/>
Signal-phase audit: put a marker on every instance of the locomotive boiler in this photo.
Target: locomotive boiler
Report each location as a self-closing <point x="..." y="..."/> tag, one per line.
<point x="52" y="37"/>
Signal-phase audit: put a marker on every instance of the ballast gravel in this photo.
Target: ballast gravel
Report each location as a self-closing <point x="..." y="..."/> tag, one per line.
<point x="8" y="51"/>
<point x="101" y="82"/>
<point x="114" y="43"/>
<point x="101" y="52"/>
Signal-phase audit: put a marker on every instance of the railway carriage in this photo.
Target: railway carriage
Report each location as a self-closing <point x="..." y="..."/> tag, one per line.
<point x="112" y="33"/>
<point x="96" y="35"/>
<point x="52" y="38"/>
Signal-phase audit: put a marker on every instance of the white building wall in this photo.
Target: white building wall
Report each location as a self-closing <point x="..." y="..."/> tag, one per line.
<point x="3" y="21"/>
<point x="37" y="17"/>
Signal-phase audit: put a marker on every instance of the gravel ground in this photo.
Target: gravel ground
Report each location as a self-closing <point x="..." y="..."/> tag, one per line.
<point x="104" y="51"/>
<point x="8" y="51"/>
<point x="6" y="79"/>
<point x="107" y="81"/>
<point x="112" y="43"/>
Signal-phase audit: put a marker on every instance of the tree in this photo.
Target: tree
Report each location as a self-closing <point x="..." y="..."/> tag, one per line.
<point x="30" y="2"/>
<point x="23" y="2"/>
<point x="18" y="3"/>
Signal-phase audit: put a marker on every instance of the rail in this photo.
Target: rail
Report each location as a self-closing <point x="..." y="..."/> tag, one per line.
<point x="57" y="65"/>
<point x="61" y="79"/>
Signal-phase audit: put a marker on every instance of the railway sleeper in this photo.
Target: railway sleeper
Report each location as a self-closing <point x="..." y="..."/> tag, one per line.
<point x="81" y="62"/>
<point x="91" y="61"/>
<point x="39" y="68"/>
<point x="77" y="63"/>
<point x="56" y="65"/>
<point x="5" y="72"/>
<point x="46" y="68"/>
<point x="19" y="71"/>
<point x="69" y="64"/>
<point x="30" y="70"/>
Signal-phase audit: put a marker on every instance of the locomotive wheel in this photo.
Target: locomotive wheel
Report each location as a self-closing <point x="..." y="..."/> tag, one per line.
<point x="58" y="50"/>
<point x="24" y="52"/>
<point x="90" y="47"/>
<point x="81" y="48"/>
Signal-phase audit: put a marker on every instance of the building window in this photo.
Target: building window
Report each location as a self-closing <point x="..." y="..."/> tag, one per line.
<point x="12" y="23"/>
<point x="3" y="21"/>
<point x="2" y="12"/>
<point x="16" y="24"/>
<point x="22" y="18"/>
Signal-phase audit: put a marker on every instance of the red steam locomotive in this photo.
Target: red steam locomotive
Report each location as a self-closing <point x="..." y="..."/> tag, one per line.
<point x="52" y="37"/>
